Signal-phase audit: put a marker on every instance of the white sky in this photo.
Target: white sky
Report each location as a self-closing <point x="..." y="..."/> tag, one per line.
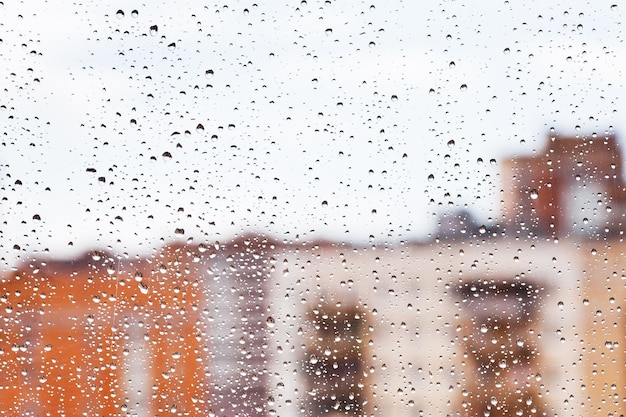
<point x="278" y="75"/>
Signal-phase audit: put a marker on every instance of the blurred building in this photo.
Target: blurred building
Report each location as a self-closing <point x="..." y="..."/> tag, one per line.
<point x="99" y="335"/>
<point x="573" y="186"/>
<point x="523" y="318"/>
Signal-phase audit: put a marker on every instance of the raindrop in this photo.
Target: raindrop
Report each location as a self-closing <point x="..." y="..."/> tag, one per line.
<point x="534" y="194"/>
<point x="463" y="87"/>
<point x="119" y="14"/>
<point x="451" y="143"/>
<point x="154" y="29"/>
<point x="270" y="321"/>
<point x="200" y="128"/>
<point x="134" y="13"/>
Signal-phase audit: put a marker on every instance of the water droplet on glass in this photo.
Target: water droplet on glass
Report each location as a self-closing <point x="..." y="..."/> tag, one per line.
<point x="119" y="14"/>
<point x="451" y="143"/>
<point x="534" y="194"/>
<point x="200" y="128"/>
<point x="154" y="29"/>
<point x="270" y="321"/>
<point x="463" y="87"/>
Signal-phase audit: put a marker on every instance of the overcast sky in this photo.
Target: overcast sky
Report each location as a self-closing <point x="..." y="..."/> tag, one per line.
<point x="310" y="119"/>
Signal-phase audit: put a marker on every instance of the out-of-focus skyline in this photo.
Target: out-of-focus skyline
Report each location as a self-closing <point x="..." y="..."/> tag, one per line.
<point x="126" y="124"/>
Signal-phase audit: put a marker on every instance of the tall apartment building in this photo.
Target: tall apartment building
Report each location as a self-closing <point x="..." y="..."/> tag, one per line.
<point x="572" y="186"/>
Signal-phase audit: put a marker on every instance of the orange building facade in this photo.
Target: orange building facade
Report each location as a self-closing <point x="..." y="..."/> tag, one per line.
<point x="102" y="336"/>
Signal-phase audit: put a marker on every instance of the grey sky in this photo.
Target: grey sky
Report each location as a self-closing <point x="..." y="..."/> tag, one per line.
<point x="319" y="118"/>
